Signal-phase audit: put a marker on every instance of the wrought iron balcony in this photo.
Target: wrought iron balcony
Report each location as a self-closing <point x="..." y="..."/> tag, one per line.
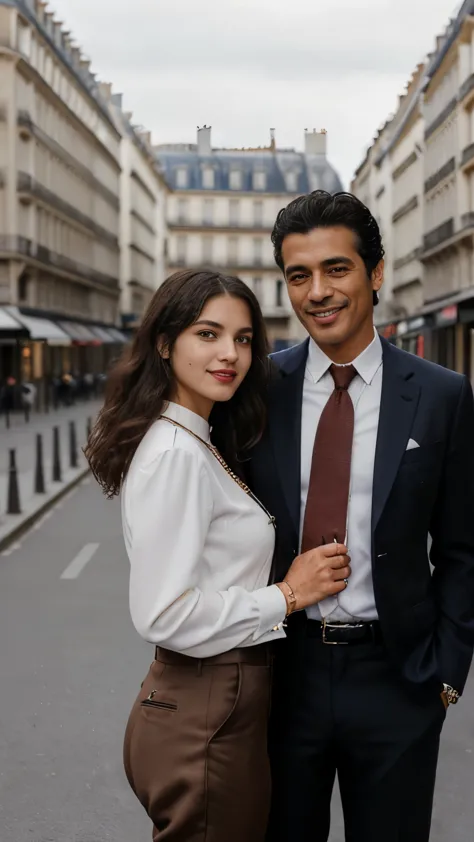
<point x="438" y="235"/>
<point x="466" y="87"/>
<point x="467" y="155"/>
<point x="442" y="173"/>
<point x="27" y="248"/>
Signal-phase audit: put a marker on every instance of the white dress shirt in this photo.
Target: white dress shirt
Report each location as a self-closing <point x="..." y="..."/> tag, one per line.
<point x="357" y="602"/>
<point x="200" y="548"/>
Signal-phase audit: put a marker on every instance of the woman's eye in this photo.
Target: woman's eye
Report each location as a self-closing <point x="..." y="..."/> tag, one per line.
<point x="207" y="334"/>
<point x="244" y="340"/>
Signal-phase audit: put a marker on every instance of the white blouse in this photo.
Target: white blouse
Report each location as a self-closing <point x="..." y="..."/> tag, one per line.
<point x="200" y="548"/>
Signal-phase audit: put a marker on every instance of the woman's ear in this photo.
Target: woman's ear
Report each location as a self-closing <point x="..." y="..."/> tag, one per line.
<point x="163" y="348"/>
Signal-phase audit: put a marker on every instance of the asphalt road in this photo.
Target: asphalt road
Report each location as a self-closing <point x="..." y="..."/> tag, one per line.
<point x="70" y="666"/>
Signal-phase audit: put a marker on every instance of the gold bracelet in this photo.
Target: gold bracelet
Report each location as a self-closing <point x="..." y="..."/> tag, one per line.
<point x="291" y="602"/>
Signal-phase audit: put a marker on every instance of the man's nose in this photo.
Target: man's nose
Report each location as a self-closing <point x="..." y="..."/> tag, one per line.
<point x="320" y="288"/>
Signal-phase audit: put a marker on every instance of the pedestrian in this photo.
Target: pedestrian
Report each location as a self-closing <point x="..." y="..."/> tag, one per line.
<point x="28" y="397"/>
<point x="200" y="547"/>
<point x="374" y="448"/>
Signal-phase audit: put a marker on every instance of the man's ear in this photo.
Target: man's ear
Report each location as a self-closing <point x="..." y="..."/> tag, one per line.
<point x="378" y="276"/>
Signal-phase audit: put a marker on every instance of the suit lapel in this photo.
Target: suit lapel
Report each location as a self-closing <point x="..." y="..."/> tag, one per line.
<point x="399" y="401"/>
<point x="285" y="428"/>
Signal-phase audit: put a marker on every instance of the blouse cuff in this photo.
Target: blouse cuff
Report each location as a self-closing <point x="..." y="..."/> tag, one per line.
<point x="272" y="606"/>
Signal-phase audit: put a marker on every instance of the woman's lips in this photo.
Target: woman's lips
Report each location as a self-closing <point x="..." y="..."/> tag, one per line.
<point x="224" y="376"/>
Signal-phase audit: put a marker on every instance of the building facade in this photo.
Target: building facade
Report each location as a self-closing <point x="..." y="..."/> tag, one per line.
<point x="430" y="253"/>
<point x="60" y="170"/>
<point x="222" y="208"/>
<point x="142" y="236"/>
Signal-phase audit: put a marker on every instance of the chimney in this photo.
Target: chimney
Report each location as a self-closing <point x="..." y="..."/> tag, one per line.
<point x="105" y="89"/>
<point x="117" y="100"/>
<point x="272" y="139"/>
<point x="204" y="140"/>
<point x="315" y="142"/>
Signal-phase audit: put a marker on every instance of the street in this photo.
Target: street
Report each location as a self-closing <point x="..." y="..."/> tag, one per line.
<point x="70" y="666"/>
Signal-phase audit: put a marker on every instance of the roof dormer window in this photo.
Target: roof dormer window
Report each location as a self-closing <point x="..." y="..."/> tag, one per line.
<point x="182" y="178"/>
<point x="259" y="180"/>
<point x="208" y="181"/>
<point x="235" y="180"/>
<point x="291" y="179"/>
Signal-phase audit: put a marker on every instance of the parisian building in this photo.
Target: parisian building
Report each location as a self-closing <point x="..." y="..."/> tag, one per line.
<point x="423" y="160"/>
<point x="222" y="207"/>
<point x="76" y="182"/>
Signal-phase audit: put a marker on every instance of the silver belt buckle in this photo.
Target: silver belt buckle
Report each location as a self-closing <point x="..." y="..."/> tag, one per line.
<point x="327" y="625"/>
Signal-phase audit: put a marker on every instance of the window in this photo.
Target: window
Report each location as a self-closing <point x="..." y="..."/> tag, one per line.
<point x="234" y="211"/>
<point x="24" y="39"/>
<point x="182" y="211"/>
<point x="207" y="249"/>
<point x="232" y="251"/>
<point x="181" y="250"/>
<point x="258" y="213"/>
<point x="23" y="283"/>
<point x="279" y="293"/>
<point x="235" y="180"/>
<point x="208" y="214"/>
<point x="208" y="178"/>
<point x="291" y="181"/>
<point x="257" y="288"/>
<point x="259" y="180"/>
<point x="181" y="178"/>
<point x="257" y="251"/>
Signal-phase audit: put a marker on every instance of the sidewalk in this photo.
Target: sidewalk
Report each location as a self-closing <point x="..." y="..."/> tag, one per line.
<point x="22" y="438"/>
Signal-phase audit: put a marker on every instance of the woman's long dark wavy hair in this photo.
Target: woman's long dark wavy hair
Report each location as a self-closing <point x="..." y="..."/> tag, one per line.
<point x="141" y="381"/>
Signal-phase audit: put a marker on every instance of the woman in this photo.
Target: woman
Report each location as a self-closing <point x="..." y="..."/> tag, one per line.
<point x="200" y="547"/>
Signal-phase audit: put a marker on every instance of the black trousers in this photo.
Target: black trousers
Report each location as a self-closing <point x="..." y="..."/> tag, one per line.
<point x="345" y="709"/>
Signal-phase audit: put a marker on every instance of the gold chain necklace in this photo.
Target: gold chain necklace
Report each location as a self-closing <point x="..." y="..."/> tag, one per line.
<point x="223" y="463"/>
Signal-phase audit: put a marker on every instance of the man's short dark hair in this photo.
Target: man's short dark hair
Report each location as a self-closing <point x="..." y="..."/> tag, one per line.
<point x="323" y="210"/>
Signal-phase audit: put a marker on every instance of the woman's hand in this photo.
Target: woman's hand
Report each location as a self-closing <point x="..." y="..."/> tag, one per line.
<point x="317" y="574"/>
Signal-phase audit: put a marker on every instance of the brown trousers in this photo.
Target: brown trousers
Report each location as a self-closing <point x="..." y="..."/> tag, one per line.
<point x="195" y="750"/>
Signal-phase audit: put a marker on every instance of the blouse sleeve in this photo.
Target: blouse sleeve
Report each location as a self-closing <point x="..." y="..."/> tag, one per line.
<point x="171" y="510"/>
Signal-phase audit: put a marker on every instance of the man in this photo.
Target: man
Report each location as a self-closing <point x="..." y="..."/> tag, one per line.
<point x="373" y="447"/>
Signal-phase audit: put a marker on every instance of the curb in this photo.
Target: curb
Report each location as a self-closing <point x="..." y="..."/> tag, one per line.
<point x="28" y="521"/>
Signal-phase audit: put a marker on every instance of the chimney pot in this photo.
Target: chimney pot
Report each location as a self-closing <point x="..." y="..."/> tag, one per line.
<point x="204" y="140"/>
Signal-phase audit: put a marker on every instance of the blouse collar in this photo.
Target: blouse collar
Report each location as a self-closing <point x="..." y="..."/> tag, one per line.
<point x="187" y="418"/>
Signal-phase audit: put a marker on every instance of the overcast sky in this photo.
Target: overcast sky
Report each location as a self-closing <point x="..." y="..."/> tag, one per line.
<point x="244" y="66"/>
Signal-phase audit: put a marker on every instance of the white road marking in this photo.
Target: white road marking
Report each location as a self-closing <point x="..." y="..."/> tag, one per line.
<point x="77" y="565"/>
<point x="11" y="549"/>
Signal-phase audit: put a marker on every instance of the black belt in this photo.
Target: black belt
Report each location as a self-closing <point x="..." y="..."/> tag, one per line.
<point x="344" y="633"/>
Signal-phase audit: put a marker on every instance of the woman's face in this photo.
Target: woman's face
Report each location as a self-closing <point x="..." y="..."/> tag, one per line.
<point x="211" y="357"/>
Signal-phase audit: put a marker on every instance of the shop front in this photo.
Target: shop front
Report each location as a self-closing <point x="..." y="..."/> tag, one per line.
<point x="413" y="336"/>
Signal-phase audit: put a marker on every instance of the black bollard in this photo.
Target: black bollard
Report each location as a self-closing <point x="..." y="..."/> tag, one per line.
<point x="7" y="419"/>
<point x="27" y="413"/>
<point x="40" y="487"/>
<point x="72" y="444"/>
<point x="13" y="505"/>
<point x="56" y="456"/>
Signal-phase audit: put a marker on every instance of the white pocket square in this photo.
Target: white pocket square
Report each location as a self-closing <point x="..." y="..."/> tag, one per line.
<point x="412" y="444"/>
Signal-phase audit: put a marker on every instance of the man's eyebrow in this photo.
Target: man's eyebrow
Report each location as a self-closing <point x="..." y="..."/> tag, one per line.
<point x="297" y="268"/>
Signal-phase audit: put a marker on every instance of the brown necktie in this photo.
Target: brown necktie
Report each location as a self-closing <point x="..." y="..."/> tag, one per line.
<point x="328" y="493"/>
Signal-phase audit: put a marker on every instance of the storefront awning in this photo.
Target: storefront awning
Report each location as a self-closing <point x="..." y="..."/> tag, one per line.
<point x="79" y="333"/>
<point x="102" y="334"/>
<point x="117" y="335"/>
<point x="8" y="323"/>
<point x="39" y="328"/>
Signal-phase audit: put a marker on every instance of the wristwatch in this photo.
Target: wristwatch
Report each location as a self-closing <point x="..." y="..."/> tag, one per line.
<point x="452" y="695"/>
